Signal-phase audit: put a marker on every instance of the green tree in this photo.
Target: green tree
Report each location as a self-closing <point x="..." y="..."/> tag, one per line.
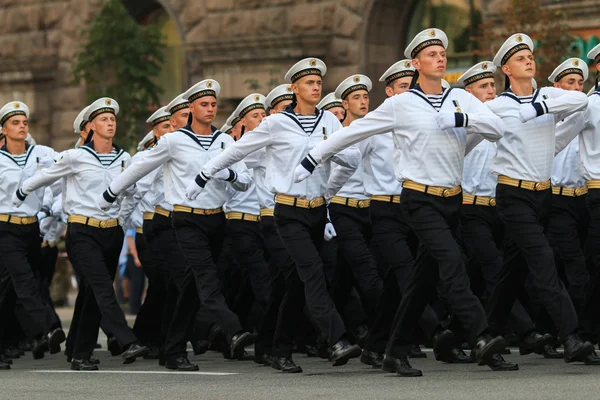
<point x="547" y="26"/>
<point x="120" y="58"/>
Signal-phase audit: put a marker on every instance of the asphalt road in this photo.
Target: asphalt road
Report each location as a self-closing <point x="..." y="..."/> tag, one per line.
<point x="50" y="378"/>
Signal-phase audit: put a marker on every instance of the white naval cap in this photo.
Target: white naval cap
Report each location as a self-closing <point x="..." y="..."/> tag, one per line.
<point x="399" y="70"/>
<point x="512" y="45"/>
<point x="352" y="84"/>
<point x="594" y="53"/>
<point x="251" y="102"/>
<point x="178" y="103"/>
<point x="226" y="128"/>
<point x="329" y="102"/>
<point x="279" y="94"/>
<point x="568" y="67"/>
<point x="428" y="37"/>
<point x="231" y="121"/>
<point x="160" y="115"/>
<point x="207" y="87"/>
<point x="12" y="109"/>
<point x="29" y="139"/>
<point x="79" y="122"/>
<point x="308" y="66"/>
<point x="101" y="106"/>
<point x="477" y="72"/>
<point x="148" y="141"/>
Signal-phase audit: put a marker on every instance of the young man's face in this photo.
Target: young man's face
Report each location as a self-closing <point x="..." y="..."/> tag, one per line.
<point x="308" y="88"/>
<point x="484" y="89"/>
<point x="570" y="82"/>
<point x="520" y="66"/>
<point x="431" y="62"/>
<point x="204" y="109"/>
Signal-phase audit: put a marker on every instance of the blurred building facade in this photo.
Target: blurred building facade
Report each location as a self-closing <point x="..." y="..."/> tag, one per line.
<point x="247" y="45"/>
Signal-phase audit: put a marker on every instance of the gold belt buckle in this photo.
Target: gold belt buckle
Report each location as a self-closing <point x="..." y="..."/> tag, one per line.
<point x="446" y="193"/>
<point x="579" y="191"/>
<point x="538" y="186"/>
<point x="102" y="224"/>
<point x="362" y="204"/>
<point x="492" y="202"/>
<point x="313" y="203"/>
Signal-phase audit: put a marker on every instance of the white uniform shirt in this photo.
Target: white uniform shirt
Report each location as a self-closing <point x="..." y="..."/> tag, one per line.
<point x="527" y="150"/>
<point x="258" y="162"/>
<point x="85" y="180"/>
<point x="182" y="156"/>
<point x="423" y="152"/>
<point x="286" y="143"/>
<point x="566" y="171"/>
<point x="478" y="178"/>
<point x="589" y="144"/>
<point x="12" y="176"/>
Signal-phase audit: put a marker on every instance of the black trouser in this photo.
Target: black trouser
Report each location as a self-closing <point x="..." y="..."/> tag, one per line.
<point x="591" y="310"/>
<point x="356" y="265"/>
<point x="148" y="323"/>
<point x="482" y="235"/>
<point x="19" y="255"/>
<point x="393" y="245"/>
<point x="200" y="238"/>
<point x="567" y="231"/>
<point x="49" y="255"/>
<point x="439" y="262"/>
<point x="95" y="253"/>
<point x="525" y="216"/>
<point x="172" y="268"/>
<point x="247" y="249"/>
<point x="301" y="231"/>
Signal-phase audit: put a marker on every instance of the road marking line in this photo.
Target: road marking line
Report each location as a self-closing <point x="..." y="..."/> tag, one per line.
<point x="53" y="371"/>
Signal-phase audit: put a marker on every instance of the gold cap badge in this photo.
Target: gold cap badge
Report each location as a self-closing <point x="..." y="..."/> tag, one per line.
<point x="256" y="98"/>
<point x="288" y="88"/>
<point x="16" y="105"/>
<point x="484" y="66"/>
<point x="432" y="33"/>
<point x="357" y="79"/>
<point x="576" y="63"/>
<point x="519" y="38"/>
<point x="407" y="64"/>
<point x="312" y="62"/>
<point x="209" y="84"/>
<point x="107" y="102"/>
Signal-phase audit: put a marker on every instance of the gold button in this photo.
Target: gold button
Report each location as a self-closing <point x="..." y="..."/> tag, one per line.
<point x="492" y="202"/>
<point x="445" y="193"/>
<point x="538" y="186"/>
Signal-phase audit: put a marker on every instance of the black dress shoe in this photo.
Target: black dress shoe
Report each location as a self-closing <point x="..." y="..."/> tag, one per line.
<point x="238" y="343"/>
<point x="400" y="366"/>
<point x="217" y="340"/>
<point x="456" y="356"/>
<point x="576" y="349"/>
<point x="534" y="343"/>
<point x="592" y="359"/>
<point x="133" y="351"/>
<point x="486" y="346"/>
<point x="153" y="353"/>
<point x="285" y="364"/>
<point x="551" y="353"/>
<point x="262" y="359"/>
<point x="312" y="351"/>
<point x="200" y="347"/>
<point x="5" y="360"/>
<point x="83" y="365"/>
<point x="416" y="352"/>
<point x="113" y="346"/>
<point x="360" y="334"/>
<point x="343" y="351"/>
<point x="498" y="363"/>
<point x="11" y="353"/>
<point x="371" y="358"/>
<point x="92" y="360"/>
<point x="24" y="345"/>
<point x="443" y="343"/>
<point x="55" y="338"/>
<point x="181" y="364"/>
<point x="39" y="347"/>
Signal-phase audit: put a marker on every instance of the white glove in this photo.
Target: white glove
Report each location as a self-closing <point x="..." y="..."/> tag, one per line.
<point x="103" y="204"/>
<point x="222" y="174"/>
<point x="329" y="232"/>
<point x="41" y="215"/>
<point x="193" y="190"/>
<point x="527" y="112"/>
<point x="300" y="173"/>
<point x="16" y="202"/>
<point x="446" y="120"/>
<point x="45" y="162"/>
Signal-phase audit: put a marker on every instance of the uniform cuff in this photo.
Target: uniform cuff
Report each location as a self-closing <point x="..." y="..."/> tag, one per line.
<point x="232" y="176"/>
<point x="201" y="180"/>
<point x="109" y="196"/>
<point x="540" y="108"/>
<point x="309" y="163"/>
<point x="461" y="119"/>
<point x="22" y="196"/>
